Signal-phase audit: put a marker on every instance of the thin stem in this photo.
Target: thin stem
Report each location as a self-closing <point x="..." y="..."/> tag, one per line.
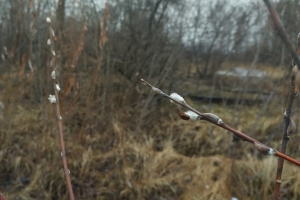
<point x="285" y="139"/>
<point x="292" y="92"/>
<point x="243" y="136"/>
<point x="62" y="145"/>
<point x="282" y="32"/>
<point x="58" y="115"/>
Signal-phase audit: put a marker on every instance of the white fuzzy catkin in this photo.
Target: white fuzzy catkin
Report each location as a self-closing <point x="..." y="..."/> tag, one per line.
<point x="52" y="98"/>
<point x="48" y="20"/>
<point x="52" y="32"/>
<point x="57" y="87"/>
<point x="53" y="75"/>
<point x="193" y="116"/>
<point x="177" y="97"/>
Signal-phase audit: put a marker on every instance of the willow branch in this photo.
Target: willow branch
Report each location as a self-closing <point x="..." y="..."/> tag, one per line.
<point x="55" y="100"/>
<point x="280" y="30"/>
<point x="285" y="136"/>
<point x="293" y="91"/>
<point x="214" y="119"/>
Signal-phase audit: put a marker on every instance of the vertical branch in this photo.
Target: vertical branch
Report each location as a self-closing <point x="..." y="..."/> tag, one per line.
<point x="280" y="30"/>
<point x="293" y="91"/>
<point x="55" y="100"/>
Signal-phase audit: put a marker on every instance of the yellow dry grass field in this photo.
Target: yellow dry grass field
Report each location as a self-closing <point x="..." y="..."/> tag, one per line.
<point x="139" y="148"/>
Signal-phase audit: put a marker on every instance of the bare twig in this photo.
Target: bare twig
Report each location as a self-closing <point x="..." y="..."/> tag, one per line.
<point x="55" y="99"/>
<point x="285" y="137"/>
<point x="280" y="30"/>
<point x="293" y="91"/>
<point x="214" y="119"/>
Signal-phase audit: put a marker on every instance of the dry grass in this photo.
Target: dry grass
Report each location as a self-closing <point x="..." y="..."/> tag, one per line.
<point x="128" y="154"/>
<point x="123" y="142"/>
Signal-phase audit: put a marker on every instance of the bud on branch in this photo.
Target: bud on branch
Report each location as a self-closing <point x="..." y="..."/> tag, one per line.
<point x="193" y="114"/>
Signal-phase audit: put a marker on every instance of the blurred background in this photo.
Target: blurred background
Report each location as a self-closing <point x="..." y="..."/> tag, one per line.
<point x="122" y="140"/>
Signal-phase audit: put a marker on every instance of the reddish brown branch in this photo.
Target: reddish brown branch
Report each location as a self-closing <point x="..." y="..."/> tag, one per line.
<point x="62" y="145"/>
<point x="58" y="115"/>
<point x="285" y="138"/>
<point x="278" y="27"/>
<point x="207" y="117"/>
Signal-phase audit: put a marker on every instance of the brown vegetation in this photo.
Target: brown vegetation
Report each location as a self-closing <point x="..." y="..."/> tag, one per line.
<point x="121" y="141"/>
